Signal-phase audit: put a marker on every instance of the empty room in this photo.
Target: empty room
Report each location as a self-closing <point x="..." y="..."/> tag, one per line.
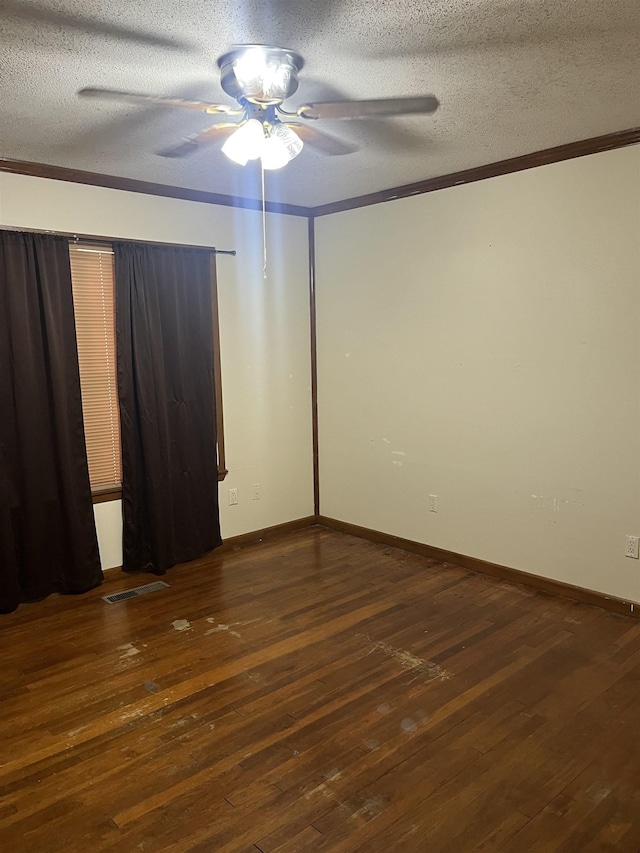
<point x="319" y="426"/>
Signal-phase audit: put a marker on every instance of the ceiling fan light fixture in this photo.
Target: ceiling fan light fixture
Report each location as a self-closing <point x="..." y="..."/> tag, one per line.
<point x="246" y="143"/>
<point x="280" y="147"/>
<point x="261" y="77"/>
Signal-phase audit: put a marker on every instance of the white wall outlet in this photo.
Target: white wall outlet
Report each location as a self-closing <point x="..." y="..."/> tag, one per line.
<point x="433" y="503"/>
<point x="256" y="491"/>
<point x="632" y="547"/>
<point x="233" y="497"/>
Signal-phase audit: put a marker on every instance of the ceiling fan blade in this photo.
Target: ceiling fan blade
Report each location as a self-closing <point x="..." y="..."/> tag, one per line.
<point x="322" y="141"/>
<point x="159" y="100"/>
<point x="35" y="14"/>
<point x="190" y="144"/>
<point x="384" y="107"/>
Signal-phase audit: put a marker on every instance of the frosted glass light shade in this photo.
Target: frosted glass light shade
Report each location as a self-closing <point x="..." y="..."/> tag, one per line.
<point x="246" y="143"/>
<point x="290" y="138"/>
<point x="280" y="147"/>
<point x="274" y="153"/>
<point x="250" y="67"/>
<point x="259" y="72"/>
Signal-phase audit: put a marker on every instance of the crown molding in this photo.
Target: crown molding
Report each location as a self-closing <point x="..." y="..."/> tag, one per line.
<point x="595" y="145"/>
<point x="95" y="179"/>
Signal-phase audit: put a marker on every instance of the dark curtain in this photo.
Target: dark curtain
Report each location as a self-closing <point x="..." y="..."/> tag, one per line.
<point x="164" y="334"/>
<point x="47" y="531"/>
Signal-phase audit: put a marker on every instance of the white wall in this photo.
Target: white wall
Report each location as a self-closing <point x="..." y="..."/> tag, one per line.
<point x="264" y="332"/>
<point x="482" y="343"/>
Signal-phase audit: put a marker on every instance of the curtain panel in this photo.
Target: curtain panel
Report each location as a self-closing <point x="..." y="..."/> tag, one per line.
<point x="48" y="539"/>
<point x="164" y="333"/>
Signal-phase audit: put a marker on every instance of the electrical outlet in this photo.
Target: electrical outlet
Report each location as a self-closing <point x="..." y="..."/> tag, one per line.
<point x="256" y="491"/>
<point x="233" y="497"/>
<point x="433" y="503"/>
<point x="632" y="547"/>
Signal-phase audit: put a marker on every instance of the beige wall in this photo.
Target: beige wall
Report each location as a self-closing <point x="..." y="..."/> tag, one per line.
<point x="264" y="331"/>
<point x="482" y="343"/>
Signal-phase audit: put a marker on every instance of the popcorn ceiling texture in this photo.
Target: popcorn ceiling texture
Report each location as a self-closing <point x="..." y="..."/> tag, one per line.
<point x="512" y="77"/>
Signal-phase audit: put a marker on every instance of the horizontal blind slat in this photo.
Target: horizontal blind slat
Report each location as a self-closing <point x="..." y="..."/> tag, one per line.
<point x="93" y="283"/>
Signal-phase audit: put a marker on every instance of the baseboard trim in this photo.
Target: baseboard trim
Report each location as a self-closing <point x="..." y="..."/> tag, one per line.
<point x="251" y="538"/>
<point x="542" y="584"/>
<point x="255" y="536"/>
<point x="537" y="582"/>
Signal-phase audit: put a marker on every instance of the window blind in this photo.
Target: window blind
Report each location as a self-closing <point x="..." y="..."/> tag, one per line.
<point x="93" y="283"/>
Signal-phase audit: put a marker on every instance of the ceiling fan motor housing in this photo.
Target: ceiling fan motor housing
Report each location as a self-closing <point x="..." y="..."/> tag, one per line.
<point x="260" y="74"/>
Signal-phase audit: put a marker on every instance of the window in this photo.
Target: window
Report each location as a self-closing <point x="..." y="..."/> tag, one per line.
<point x="94" y="305"/>
<point x="93" y="280"/>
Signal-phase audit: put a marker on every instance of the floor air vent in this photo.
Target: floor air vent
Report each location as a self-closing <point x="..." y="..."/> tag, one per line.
<point x="135" y="592"/>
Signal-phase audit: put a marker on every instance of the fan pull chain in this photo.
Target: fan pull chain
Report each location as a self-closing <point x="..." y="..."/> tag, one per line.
<point x="264" y="227"/>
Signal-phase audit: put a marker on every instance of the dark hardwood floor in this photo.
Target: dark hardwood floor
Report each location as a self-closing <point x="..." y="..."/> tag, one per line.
<point x="319" y="693"/>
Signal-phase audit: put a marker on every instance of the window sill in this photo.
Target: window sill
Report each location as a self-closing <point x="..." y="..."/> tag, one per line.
<point x="102" y="494"/>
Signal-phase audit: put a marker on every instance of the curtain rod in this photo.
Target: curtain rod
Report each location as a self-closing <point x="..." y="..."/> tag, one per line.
<point x="94" y="238"/>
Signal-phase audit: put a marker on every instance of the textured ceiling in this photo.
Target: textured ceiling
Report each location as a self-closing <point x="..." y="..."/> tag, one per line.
<point x="512" y="77"/>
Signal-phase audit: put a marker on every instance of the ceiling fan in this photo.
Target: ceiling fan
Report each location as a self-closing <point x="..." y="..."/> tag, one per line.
<point x="260" y="78"/>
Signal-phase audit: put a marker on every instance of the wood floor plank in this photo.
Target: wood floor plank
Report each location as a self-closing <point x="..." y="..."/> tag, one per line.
<point x="318" y="692"/>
